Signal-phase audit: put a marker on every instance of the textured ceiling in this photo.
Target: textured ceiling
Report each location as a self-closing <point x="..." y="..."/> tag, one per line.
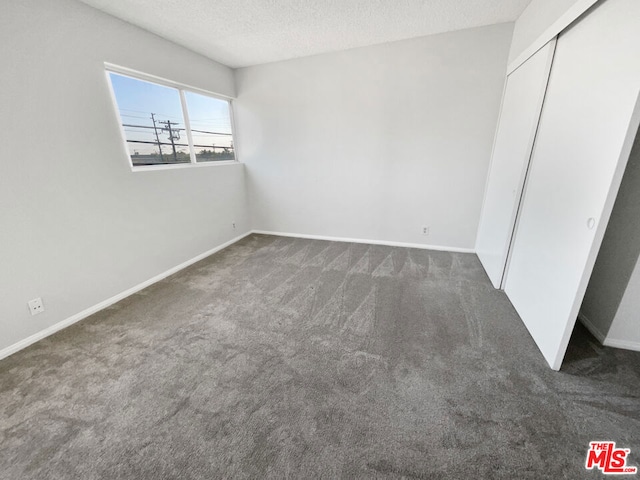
<point x="239" y="33"/>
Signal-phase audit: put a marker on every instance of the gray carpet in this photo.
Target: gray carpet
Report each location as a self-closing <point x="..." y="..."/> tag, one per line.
<point x="290" y="358"/>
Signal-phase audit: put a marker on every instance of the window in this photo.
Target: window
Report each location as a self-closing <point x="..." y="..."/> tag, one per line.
<point x="168" y="124"/>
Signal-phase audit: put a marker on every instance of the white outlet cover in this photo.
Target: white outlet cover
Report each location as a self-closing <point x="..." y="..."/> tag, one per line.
<point x="36" y="306"/>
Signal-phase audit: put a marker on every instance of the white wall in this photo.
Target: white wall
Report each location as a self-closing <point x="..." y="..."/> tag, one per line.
<point x="373" y="143"/>
<point x="612" y="301"/>
<point x="541" y="21"/>
<point x="76" y="225"/>
<point x="625" y="328"/>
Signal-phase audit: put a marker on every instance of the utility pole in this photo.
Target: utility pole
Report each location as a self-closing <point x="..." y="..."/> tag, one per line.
<point x="155" y="129"/>
<point x="173" y="135"/>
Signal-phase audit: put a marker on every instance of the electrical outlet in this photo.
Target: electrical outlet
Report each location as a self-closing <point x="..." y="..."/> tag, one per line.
<point x="233" y="225"/>
<point x="36" y="306"/>
<point x="425" y="230"/>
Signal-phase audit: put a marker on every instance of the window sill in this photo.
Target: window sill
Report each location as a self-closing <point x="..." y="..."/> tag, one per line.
<point x="176" y="166"/>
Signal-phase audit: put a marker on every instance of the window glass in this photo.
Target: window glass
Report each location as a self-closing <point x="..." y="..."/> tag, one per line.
<point x="210" y="121"/>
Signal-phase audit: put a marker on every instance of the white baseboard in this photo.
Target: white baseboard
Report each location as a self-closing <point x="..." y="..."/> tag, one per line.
<point x="371" y="242"/>
<point x="626" y="344"/>
<point x="11" y="349"/>
<point x="591" y="327"/>
<point x="607" y="341"/>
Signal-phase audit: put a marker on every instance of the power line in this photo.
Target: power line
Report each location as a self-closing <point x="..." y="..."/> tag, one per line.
<point x="133" y="116"/>
<point x="175" y="129"/>
<point x="146" y="142"/>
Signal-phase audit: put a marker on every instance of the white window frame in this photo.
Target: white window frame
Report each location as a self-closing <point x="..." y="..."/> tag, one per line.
<point x="182" y="88"/>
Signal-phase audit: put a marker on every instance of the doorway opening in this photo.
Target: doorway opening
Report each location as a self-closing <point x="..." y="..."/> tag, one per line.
<point x="609" y="315"/>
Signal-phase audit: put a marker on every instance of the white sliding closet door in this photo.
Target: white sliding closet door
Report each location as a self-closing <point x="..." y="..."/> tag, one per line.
<point x="588" y="122"/>
<point x="521" y="105"/>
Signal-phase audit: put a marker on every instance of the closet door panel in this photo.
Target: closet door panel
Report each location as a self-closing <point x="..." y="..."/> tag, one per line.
<point x="521" y="105"/>
<point x="587" y="126"/>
